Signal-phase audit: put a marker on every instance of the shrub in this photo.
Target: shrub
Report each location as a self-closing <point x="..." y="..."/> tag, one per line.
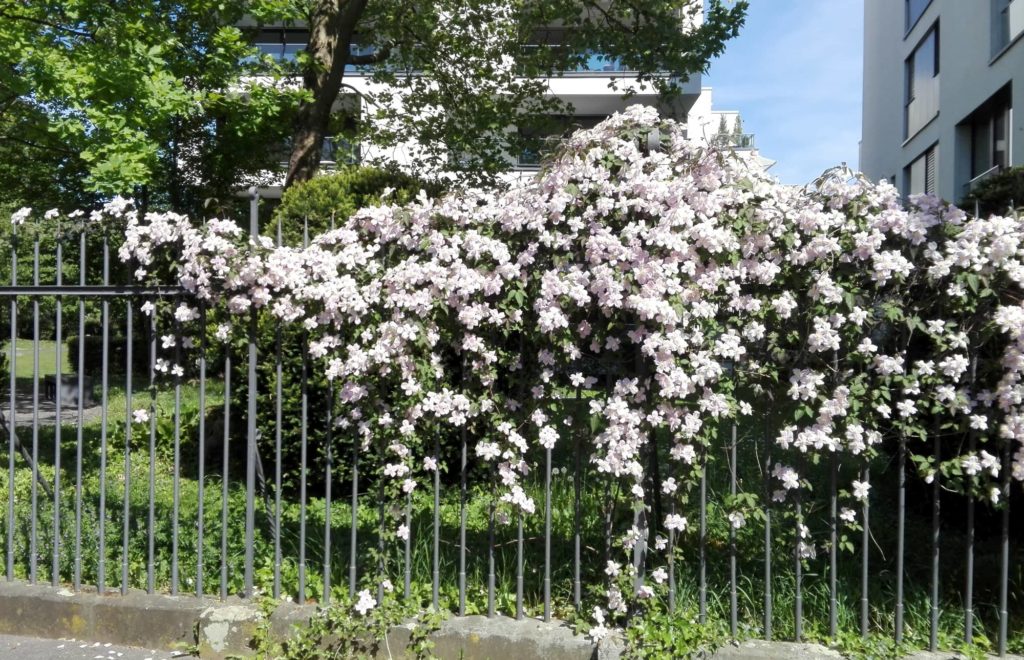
<point x="999" y="192"/>
<point x="341" y="194"/>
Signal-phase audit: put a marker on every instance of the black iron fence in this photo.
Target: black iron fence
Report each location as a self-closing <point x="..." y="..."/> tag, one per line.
<point x="174" y="486"/>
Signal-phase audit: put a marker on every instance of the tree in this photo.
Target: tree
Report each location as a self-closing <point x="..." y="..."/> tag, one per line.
<point x="737" y="126"/>
<point x="142" y="96"/>
<point x="456" y="75"/>
<point x="168" y="100"/>
<point x="723" y="127"/>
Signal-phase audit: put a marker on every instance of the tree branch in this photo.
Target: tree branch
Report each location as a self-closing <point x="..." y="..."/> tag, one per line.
<point x="55" y="26"/>
<point x="34" y="145"/>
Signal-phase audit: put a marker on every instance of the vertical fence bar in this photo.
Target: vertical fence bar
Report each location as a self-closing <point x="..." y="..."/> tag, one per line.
<point x="969" y="550"/>
<point x="105" y="385"/>
<point x="151" y="528"/>
<point x="58" y="426"/>
<point x="864" y="559"/>
<point x="13" y="421"/>
<point x="328" y="482"/>
<point x="798" y="570"/>
<point x="901" y="507"/>
<point x="436" y="574"/>
<point x="733" y="623"/>
<point x="201" y="511"/>
<point x="250" y="445"/>
<point x="127" y="508"/>
<point x="702" y="548"/>
<point x="354" y="526"/>
<point x="490" y="554"/>
<point x="547" y="534"/>
<point x="462" y="517"/>
<point x="577" y="486"/>
<point x="519" y="567"/>
<point x="303" y="443"/>
<point x="224" y="482"/>
<point x="1004" y="554"/>
<point x="34" y="522"/>
<point x="672" y="562"/>
<point x="77" y="577"/>
<point x="278" y="420"/>
<point x="380" y="529"/>
<point x="833" y="605"/>
<point x="408" y="545"/>
<point x="176" y="475"/>
<point x="933" y="639"/>
<point x="767" y="531"/>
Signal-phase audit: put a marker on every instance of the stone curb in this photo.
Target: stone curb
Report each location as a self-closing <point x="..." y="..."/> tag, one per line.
<point x="222" y="629"/>
<point x="136" y="619"/>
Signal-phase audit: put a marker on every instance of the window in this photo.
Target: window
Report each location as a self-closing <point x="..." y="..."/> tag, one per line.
<point x="1007" y="23"/>
<point x="922" y="83"/>
<point x="913" y="10"/>
<point x="988" y="131"/>
<point x="281" y="43"/>
<point x="542" y="137"/>
<point x="920" y="175"/>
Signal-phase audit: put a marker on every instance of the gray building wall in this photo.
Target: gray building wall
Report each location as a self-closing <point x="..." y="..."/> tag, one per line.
<point x="969" y="75"/>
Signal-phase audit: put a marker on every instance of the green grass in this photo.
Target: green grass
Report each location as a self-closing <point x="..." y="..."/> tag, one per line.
<point x="24" y="358"/>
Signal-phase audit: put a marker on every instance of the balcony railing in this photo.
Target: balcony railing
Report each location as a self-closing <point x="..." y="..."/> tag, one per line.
<point x="334" y="152"/>
<point x="971" y="185"/>
<point x="735" y="140"/>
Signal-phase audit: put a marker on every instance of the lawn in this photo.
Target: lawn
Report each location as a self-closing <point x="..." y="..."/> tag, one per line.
<point x="24" y="358"/>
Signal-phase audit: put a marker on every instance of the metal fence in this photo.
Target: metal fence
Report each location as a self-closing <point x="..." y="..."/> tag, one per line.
<point x="514" y="562"/>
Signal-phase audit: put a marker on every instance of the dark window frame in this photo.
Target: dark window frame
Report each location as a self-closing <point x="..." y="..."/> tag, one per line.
<point x="910" y="23"/>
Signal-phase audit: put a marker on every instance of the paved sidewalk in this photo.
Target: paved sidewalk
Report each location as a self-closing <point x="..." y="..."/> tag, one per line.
<point x="31" y="648"/>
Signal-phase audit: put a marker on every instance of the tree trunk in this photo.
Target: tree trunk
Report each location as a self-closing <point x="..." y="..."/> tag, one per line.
<point x="331" y="27"/>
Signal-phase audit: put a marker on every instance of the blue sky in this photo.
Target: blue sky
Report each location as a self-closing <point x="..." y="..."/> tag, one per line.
<point x="794" y="74"/>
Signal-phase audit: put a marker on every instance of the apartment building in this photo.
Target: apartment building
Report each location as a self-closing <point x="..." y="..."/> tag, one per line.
<point x="588" y="88"/>
<point x="941" y="81"/>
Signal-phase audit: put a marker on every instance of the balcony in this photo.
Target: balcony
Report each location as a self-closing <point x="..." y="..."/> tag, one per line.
<point x="335" y="151"/>
<point x="971" y="185"/>
<point x="739" y="141"/>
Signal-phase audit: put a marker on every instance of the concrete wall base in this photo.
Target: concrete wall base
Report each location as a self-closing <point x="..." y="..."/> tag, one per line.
<point x="221" y="629"/>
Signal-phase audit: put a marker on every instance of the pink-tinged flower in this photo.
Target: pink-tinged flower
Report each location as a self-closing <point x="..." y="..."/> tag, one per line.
<point x="675" y="522"/>
<point x="140" y="416"/>
<point x="19" y="216"/>
<point x="365" y="603"/>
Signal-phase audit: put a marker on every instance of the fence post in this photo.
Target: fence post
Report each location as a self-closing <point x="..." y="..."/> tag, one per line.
<point x="250" y="449"/>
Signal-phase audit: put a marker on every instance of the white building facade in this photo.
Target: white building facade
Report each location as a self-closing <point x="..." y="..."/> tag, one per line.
<point x="941" y="81"/>
<point x="589" y="90"/>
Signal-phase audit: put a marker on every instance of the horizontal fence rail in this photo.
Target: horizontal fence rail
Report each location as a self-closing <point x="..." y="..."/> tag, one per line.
<point x="230" y="475"/>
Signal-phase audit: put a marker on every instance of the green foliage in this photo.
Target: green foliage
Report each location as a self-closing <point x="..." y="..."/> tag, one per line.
<point x="334" y="197"/>
<point x="317" y="202"/>
<point x="998" y="193"/>
<point x="657" y="635"/>
<point x="173" y="120"/>
<point x="339" y="632"/>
